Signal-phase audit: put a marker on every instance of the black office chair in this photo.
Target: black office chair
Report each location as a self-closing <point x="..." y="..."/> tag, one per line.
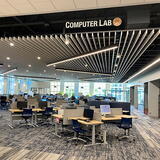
<point x="46" y="115"/>
<point x="77" y="130"/>
<point x="126" y="124"/>
<point x="27" y="115"/>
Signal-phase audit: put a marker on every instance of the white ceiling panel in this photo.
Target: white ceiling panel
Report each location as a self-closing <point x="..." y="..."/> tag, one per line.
<point x="28" y="7"/>
<point x="85" y="4"/>
<point x="43" y="5"/>
<point x="23" y="6"/>
<point x="108" y="2"/>
<point x="132" y="1"/>
<point x="64" y="4"/>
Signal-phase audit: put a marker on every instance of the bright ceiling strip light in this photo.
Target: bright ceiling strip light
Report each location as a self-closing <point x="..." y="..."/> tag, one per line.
<point x="74" y="71"/>
<point x="98" y="78"/>
<point x="85" y="55"/>
<point x="144" y="69"/>
<point x="13" y="70"/>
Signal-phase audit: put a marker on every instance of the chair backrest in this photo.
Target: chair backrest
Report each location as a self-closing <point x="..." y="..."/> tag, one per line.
<point x="75" y="124"/>
<point x="126" y="122"/>
<point x="49" y="110"/>
<point x="27" y="112"/>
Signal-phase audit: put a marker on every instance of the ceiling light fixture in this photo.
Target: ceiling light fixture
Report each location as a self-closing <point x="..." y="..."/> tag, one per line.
<point x="11" y="44"/>
<point x="144" y="69"/>
<point x="9" y="65"/>
<point x="44" y="70"/>
<point x="13" y="70"/>
<point x="118" y="56"/>
<point x="75" y="71"/>
<point x="85" y="55"/>
<point x="8" y="58"/>
<point x="29" y="65"/>
<point x="38" y="58"/>
<point x="86" y="65"/>
<point x="67" y="42"/>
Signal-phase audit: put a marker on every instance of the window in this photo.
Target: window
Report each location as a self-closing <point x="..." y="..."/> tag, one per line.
<point x="69" y="88"/>
<point x="100" y="89"/>
<point x="11" y="82"/>
<point x="55" y="87"/>
<point x="1" y="85"/>
<point x="84" y="88"/>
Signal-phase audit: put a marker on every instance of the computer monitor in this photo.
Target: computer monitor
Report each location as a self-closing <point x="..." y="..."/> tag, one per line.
<point x="105" y="109"/>
<point x="43" y="104"/>
<point x="21" y="104"/>
<point x="88" y="113"/>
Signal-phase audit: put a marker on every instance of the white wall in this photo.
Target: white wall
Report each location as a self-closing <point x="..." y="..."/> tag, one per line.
<point x="153" y="96"/>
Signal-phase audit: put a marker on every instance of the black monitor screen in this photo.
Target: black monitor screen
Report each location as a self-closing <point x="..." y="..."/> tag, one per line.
<point x="43" y="104"/>
<point x="21" y="105"/>
<point x="88" y="113"/>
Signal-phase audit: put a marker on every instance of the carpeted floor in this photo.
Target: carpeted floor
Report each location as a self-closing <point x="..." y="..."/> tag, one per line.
<point x="40" y="143"/>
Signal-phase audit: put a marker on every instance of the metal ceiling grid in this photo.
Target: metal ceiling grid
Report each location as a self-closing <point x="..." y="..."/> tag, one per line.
<point x="132" y="44"/>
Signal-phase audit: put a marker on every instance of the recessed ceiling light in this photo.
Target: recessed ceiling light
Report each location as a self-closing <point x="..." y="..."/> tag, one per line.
<point x="9" y="65"/>
<point x="11" y="44"/>
<point x="8" y="58"/>
<point x="38" y="58"/>
<point x="44" y="70"/>
<point x="27" y="70"/>
<point x="116" y="65"/>
<point x="29" y="65"/>
<point x="118" y="56"/>
<point x="86" y="65"/>
<point x="67" y="41"/>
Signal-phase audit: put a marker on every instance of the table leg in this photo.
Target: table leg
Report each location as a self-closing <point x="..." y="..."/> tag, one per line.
<point x="11" y="121"/>
<point x="56" y="130"/>
<point x="93" y="134"/>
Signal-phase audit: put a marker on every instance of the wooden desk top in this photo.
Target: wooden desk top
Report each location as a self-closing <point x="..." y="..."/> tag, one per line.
<point x="57" y="116"/>
<point x="19" y="110"/>
<point x="77" y="118"/>
<point x="56" y="108"/>
<point x="124" y="111"/>
<point x="118" y="117"/>
<point x="15" y="110"/>
<point x="92" y="122"/>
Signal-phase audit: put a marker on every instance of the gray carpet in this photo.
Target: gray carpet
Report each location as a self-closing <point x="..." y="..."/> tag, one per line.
<point x="41" y="139"/>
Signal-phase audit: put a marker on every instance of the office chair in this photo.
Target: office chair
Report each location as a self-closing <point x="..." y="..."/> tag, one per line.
<point x="3" y="103"/>
<point x="46" y="115"/>
<point x="126" y="124"/>
<point x="26" y="115"/>
<point x="77" y="131"/>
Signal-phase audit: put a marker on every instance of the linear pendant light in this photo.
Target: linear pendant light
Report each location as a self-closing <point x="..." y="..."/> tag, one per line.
<point x="13" y="70"/>
<point x="144" y="69"/>
<point x="84" y="72"/>
<point x="85" y="55"/>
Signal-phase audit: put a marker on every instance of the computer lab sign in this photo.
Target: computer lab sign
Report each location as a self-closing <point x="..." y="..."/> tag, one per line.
<point x="115" y="22"/>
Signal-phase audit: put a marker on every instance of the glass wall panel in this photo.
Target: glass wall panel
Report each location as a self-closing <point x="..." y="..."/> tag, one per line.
<point x="55" y="87"/>
<point x="69" y="88"/>
<point x="1" y="85"/>
<point x="100" y="89"/>
<point x="84" y="88"/>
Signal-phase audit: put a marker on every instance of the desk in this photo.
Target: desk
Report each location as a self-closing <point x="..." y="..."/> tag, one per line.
<point x="92" y="123"/>
<point x="77" y="118"/>
<point x="14" y="111"/>
<point x="118" y="117"/>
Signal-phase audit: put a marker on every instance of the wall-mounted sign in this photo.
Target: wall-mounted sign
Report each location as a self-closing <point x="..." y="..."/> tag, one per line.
<point x="114" y="22"/>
